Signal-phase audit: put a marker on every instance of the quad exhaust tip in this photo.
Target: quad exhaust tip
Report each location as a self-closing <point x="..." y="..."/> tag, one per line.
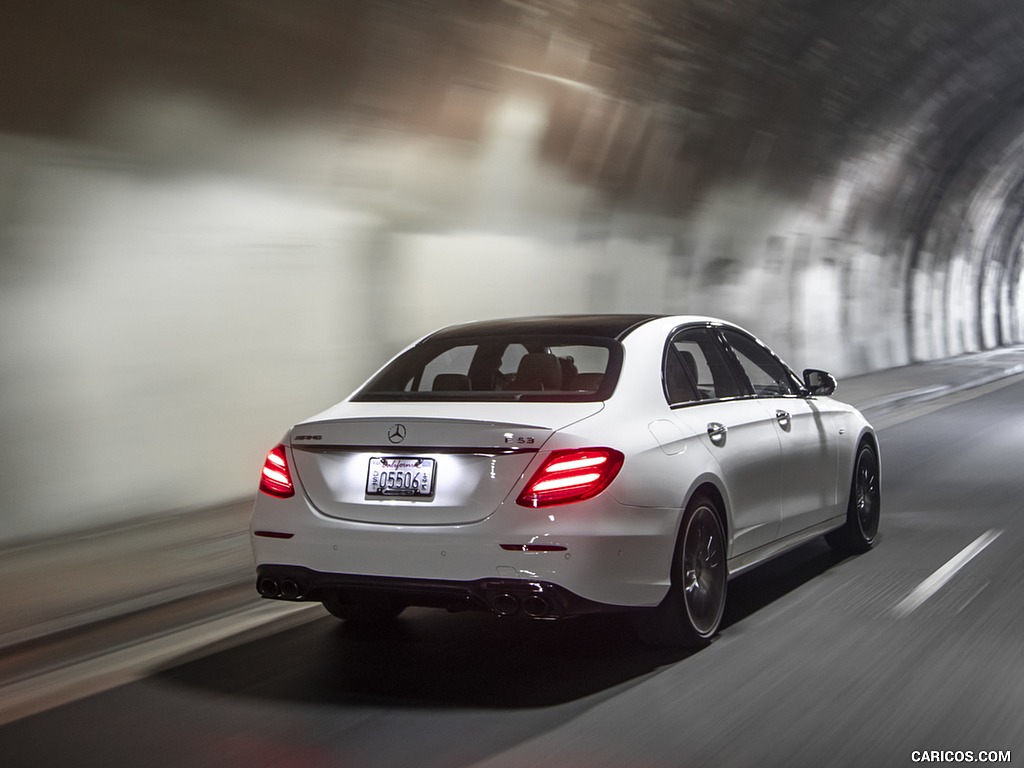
<point x="286" y="589"/>
<point x="534" y="606"/>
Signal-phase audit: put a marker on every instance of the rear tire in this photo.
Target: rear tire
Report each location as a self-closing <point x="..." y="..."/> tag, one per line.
<point x="691" y="612"/>
<point x="863" y="511"/>
<point x="376" y="612"/>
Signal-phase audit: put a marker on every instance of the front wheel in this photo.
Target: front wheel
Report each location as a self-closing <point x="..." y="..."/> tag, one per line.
<point x="859" y="532"/>
<point x="692" y="610"/>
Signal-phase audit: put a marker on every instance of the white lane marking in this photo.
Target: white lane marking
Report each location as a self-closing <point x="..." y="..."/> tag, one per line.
<point x="934" y="583"/>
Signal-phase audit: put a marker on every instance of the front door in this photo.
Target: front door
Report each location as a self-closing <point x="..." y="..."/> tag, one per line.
<point x="807" y="436"/>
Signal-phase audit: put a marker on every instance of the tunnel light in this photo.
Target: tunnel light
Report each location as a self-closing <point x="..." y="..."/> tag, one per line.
<point x="569" y="476"/>
<point x="276" y="479"/>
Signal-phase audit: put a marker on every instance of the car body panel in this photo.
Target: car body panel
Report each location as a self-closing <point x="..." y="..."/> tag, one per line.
<point x="749" y="454"/>
<point x="809" y="436"/>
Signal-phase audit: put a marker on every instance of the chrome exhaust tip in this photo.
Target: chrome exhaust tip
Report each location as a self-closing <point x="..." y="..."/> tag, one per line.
<point x="535" y="607"/>
<point x="268" y="587"/>
<point x="290" y="590"/>
<point x="505" y="605"/>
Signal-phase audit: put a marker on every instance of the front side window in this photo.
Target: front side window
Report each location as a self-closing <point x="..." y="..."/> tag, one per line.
<point x="696" y="369"/>
<point x="498" y="367"/>
<point x="767" y="376"/>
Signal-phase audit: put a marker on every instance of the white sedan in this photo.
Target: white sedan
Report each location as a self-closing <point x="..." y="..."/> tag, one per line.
<point x="554" y="466"/>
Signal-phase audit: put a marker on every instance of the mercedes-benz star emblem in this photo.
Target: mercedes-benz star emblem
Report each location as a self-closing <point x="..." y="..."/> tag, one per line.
<point x="396" y="433"/>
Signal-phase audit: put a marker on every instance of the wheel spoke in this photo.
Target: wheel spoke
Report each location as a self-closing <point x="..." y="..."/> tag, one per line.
<point x="867" y="493"/>
<point x="714" y="553"/>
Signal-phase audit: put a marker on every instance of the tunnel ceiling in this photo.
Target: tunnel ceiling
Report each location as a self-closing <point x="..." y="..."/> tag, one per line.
<point x="798" y="84"/>
<point x="777" y="93"/>
<point x="816" y="76"/>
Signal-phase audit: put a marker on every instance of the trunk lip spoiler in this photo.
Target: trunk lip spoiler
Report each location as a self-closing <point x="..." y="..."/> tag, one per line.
<point x="413" y="449"/>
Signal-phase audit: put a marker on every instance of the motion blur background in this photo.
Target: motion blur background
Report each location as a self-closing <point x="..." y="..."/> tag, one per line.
<point x="218" y="217"/>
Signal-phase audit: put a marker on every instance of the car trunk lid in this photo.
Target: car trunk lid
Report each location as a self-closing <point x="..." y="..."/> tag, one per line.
<point x="425" y="463"/>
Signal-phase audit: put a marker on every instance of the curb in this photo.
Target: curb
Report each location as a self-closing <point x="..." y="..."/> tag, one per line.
<point x="112" y="611"/>
<point x="888" y="403"/>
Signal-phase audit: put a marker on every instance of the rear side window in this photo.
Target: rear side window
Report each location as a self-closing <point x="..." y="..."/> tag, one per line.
<point x="536" y="368"/>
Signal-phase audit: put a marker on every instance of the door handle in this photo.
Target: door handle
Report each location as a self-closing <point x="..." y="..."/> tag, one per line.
<point x="783" y="418"/>
<point x="716" y="431"/>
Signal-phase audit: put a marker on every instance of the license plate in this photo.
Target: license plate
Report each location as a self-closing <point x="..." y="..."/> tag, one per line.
<point x="401" y="476"/>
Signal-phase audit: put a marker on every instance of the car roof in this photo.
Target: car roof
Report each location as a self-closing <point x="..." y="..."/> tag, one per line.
<point x="607" y="326"/>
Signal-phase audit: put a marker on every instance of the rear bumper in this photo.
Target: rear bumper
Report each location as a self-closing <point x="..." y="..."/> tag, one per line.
<point x="504" y="597"/>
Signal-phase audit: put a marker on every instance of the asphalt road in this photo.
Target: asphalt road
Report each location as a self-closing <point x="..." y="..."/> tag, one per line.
<point x="914" y="646"/>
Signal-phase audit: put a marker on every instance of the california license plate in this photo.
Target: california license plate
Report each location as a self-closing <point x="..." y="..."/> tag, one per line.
<point x="402" y="476"/>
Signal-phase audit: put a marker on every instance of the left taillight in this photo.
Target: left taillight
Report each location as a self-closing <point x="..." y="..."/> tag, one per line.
<point x="276" y="479"/>
<point x="569" y="476"/>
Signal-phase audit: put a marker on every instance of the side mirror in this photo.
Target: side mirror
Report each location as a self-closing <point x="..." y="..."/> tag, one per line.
<point x="819" y="382"/>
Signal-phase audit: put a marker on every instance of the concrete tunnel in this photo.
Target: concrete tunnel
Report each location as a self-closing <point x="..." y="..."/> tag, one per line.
<point x="217" y="218"/>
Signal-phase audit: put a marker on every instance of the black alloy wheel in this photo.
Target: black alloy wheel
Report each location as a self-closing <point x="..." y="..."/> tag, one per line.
<point x="691" y="612"/>
<point x="703" y="572"/>
<point x="863" y="512"/>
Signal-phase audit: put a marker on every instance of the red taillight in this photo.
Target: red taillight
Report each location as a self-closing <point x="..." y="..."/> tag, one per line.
<point x="573" y="475"/>
<point x="276" y="480"/>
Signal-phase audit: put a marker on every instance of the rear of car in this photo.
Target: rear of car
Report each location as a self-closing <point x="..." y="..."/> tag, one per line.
<point x="557" y="466"/>
<point x="469" y="473"/>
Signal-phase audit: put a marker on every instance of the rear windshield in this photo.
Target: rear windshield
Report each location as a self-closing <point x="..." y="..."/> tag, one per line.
<point x="535" y="368"/>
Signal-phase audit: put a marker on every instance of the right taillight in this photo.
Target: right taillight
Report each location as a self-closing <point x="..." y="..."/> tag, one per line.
<point x="276" y="479"/>
<point x="569" y="476"/>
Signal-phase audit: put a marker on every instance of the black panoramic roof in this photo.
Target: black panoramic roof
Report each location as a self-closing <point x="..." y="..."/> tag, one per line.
<point x="607" y="326"/>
